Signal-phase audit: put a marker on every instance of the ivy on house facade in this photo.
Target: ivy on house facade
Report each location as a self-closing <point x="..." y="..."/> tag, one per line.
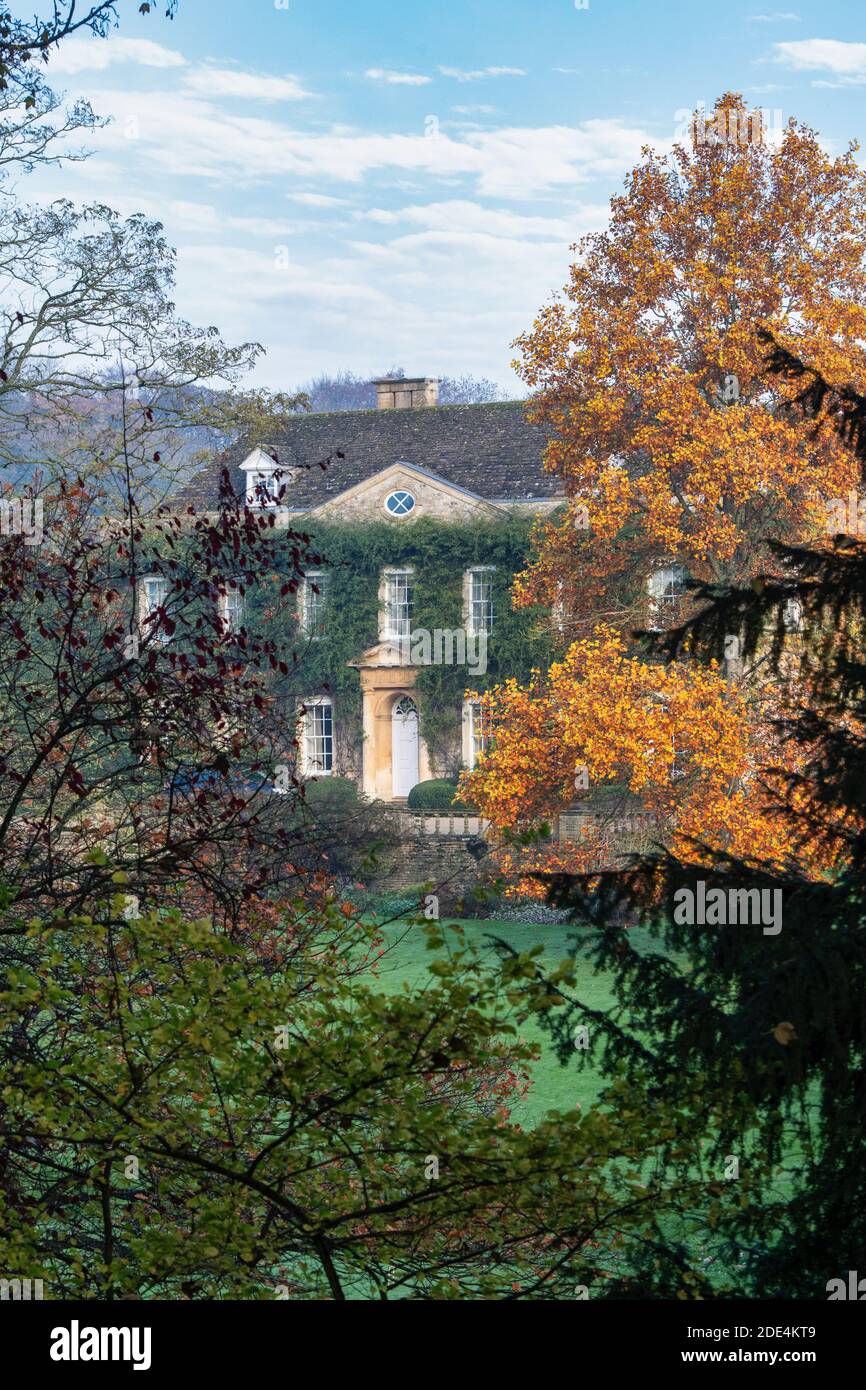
<point x="353" y="558"/>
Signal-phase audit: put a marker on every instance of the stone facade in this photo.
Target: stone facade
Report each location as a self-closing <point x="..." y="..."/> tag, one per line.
<point x="383" y="685"/>
<point x="433" y="497"/>
<point x="407" y="460"/>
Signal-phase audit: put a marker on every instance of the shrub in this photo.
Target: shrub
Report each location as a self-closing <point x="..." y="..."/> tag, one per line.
<point x="533" y="913"/>
<point x="334" y="824"/>
<point x="436" y="795"/>
<point x="481" y="900"/>
<point x="332" y="795"/>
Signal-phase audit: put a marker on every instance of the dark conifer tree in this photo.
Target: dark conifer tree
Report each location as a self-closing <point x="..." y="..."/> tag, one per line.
<point x="760" y="1038"/>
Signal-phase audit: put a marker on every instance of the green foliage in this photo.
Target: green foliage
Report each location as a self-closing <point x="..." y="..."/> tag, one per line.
<point x="338" y="831"/>
<point x="194" y="1113"/>
<point x="391" y="904"/>
<point x="332" y="795"/>
<point x="435" y="795"/>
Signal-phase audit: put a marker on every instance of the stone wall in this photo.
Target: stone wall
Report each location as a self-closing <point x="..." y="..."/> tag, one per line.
<point x="450" y="850"/>
<point x="436" y="849"/>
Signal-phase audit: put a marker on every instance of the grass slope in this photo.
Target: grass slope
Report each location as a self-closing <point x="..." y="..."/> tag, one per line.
<point x="554" y="1086"/>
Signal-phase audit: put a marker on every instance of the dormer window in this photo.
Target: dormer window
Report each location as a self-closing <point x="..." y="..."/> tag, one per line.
<point x="261" y="490"/>
<point x="265" y="480"/>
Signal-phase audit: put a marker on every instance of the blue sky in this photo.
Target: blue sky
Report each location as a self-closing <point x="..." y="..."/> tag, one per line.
<point x="362" y="184"/>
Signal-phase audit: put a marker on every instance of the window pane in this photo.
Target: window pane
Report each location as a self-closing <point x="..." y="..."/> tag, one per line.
<point x="668" y="583"/>
<point x="155" y="590"/>
<point x="478" y="736"/>
<point x="319" y="736"/>
<point x="232" y="609"/>
<point x="315" y="597"/>
<point x="399" y="605"/>
<point x="481" y="601"/>
<point x="400" y="503"/>
<point x="263" y="489"/>
<point x="155" y="593"/>
<point x="667" y="588"/>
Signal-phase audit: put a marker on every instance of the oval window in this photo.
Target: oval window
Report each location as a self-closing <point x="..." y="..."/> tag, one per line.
<point x="400" y="503"/>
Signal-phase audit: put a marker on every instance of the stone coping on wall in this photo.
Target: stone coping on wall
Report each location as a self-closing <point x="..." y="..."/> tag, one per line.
<point x="426" y="823"/>
<point x="569" y="825"/>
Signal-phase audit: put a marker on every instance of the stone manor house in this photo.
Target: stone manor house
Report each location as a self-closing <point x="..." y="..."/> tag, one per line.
<point x="408" y="459"/>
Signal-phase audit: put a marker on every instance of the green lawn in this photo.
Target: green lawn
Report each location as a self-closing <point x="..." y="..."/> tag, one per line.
<point x="554" y="1086"/>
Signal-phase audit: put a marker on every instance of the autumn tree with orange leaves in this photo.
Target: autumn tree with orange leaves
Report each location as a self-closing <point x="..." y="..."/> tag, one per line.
<point x="649" y="378"/>
<point x="677" y="456"/>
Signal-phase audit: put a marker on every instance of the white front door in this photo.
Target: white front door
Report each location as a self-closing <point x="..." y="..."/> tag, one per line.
<point x="404" y="747"/>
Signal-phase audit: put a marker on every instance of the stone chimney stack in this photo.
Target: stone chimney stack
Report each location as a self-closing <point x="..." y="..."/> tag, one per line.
<point x="402" y="393"/>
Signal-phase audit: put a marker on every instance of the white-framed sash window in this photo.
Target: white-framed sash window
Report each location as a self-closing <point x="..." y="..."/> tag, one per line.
<point x="314" y="597"/>
<point x="475" y="732"/>
<point x="666" y="588"/>
<point x="479" y="599"/>
<point x="232" y="610"/>
<point x="398" y="603"/>
<point x="317" y="737"/>
<point x="154" y="595"/>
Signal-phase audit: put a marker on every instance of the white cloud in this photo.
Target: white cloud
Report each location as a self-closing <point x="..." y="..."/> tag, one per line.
<point x="249" y="277"/>
<point x="189" y="137"/>
<point x="521" y="162"/>
<point x="95" y="55"/>
<point x="398" y="79"/>
<point x="204" y="217"/>
<point x="250" y="86"/>
<point x="780" y="17"/>
<point x="472" y="293"/>
<point x="846" y="60"/>
<point x="317" y="200"/>
<point x="460" y="216"/>
<point x="471" y="274"/>
<point x="474" y="110"/>
<point x="462" y="75"/>
<point x="451" y="260"/>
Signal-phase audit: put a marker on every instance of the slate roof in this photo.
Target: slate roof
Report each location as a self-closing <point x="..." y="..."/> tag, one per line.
<point x="490" y="450"/>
